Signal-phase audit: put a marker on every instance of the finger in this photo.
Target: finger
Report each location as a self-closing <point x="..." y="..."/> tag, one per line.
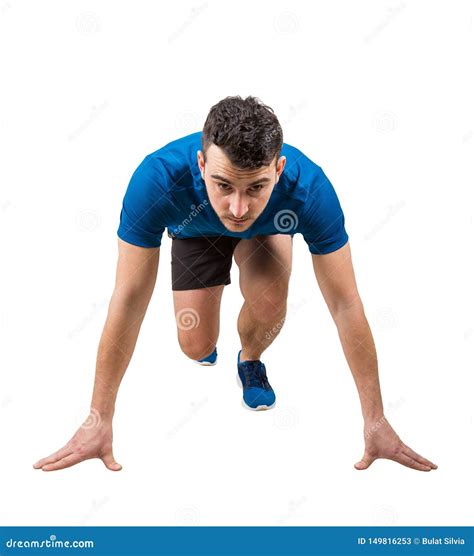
<point x="67" y="461"/>
<point x="365" y="462"/>
<point x="409" y="452"/>
<point x="53" y="457"/>
<point x="110" y="463"/>
<point x="410" y="462"/>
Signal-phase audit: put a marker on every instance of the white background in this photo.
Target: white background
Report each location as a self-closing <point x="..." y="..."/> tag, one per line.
<point x="377" y="93"/>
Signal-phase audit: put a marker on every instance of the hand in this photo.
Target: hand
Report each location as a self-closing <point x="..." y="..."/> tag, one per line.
<point x="93" y="439"/>
<point x="382" y="442"/>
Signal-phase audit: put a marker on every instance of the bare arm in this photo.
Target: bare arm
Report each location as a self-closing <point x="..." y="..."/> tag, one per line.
<point x="137" y="269"/>
<point x="335" y="275"/>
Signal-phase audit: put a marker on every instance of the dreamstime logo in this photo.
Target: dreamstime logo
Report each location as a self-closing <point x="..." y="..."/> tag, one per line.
<point x="195" y="12"/>
<point x="291" y="310"/>
<point x="286" y="23"/>
<point x="195" y="210"/>
<point x="87" y="23"/>
<point x="88" y="220"/>
<point x="386" y="318"/>
<point x="270" y="136"/>
<point x="394" y="406"/>
<point x="96" y="111"/>
<point x="195" y="408"/>
<point x="96" y="310"/>
<point x="285" y="220"/>
<point x="285" y="418"/>
<point x="6" y="204"/>
<point x="392" y="210"/>
<point x="51" y="542"/>
<point x="4" y="7"/>
<point x="375" y="427"/>
<point x="186" y="121"/>
<point x="294" y="110"/>
<point x="385" y="515"/>
<point x="187" y="319"/>
<point x="293" y="506"/>
<point x="275" y="329"/>
<point x="187" y="515"/>
<point x="93" y="420"/>
<point x="385" y="121"/>
<point x="390" y="408"/>
<point x="96" y="505"/>
<point x="393" y="12"/>
<point x="467" y="136"/>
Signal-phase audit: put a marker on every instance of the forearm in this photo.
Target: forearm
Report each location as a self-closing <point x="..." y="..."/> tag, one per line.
<point x="359" y="350"/>
<point x="116" y="346"/>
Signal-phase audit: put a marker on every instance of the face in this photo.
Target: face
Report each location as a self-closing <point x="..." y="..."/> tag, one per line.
<point x="237" y="196"/>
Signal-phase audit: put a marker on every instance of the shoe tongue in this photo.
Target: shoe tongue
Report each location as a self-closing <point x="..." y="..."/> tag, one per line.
<point x="252" y="370"/>
<point x="253" y="364"/>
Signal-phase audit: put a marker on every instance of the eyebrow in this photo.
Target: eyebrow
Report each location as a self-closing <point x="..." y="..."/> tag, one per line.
<point x="225" y="180"/>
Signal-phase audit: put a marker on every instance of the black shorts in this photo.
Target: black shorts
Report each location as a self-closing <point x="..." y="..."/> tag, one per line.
<point x="201" y="262"/>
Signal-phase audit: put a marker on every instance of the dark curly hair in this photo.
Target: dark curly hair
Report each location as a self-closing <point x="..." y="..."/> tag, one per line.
<point x="246" y="129"/>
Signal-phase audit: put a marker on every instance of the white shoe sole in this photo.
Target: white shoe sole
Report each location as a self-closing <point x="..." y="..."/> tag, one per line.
<point x="206" y="363"/>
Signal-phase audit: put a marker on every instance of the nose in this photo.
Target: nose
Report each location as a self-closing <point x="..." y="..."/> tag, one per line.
<point x="239" y="207"/>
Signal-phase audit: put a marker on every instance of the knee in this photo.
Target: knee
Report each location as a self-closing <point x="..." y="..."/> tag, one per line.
<point x="196" y="348"/>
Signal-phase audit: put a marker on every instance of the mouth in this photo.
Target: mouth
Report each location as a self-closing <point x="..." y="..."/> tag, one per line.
<point x="237" y="222"/>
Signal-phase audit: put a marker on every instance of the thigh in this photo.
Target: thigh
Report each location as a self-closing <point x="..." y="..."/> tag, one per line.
<point x="197" y="314"/>
<point x="200" y="269"/>
<point x="201" y="262"/>
<point x="265" y="267"/>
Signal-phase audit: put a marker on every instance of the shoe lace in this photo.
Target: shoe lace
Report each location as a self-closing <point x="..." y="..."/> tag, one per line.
<point x="254" y="373"/>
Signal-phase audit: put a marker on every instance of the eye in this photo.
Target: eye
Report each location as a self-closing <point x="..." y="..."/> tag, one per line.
<point x="224" y="186"/>
<point x="256" y="187"/>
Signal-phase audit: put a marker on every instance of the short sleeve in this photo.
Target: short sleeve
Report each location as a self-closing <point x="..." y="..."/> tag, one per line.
<point x="143" y="216"/>
<point x="322" y="223"/>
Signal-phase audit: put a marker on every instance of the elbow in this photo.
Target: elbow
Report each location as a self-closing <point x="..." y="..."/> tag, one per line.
<point x="340" y="308"/>
<point x="132" y="300"/>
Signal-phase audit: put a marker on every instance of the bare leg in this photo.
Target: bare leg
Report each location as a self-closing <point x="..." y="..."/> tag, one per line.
<point x="257" y="333"/>
<point x="265" y="268"/>
<point x="197" y="315"/>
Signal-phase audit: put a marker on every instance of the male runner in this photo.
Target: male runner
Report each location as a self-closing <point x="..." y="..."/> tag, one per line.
<point x="234" y="191"/>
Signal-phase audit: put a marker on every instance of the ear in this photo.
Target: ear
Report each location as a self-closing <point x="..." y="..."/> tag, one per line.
<point x="200" y="161"/>
<point x="280" y="166"/>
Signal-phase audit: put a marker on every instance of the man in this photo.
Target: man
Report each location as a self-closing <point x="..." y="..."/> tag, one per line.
<point x="243" y="196"/>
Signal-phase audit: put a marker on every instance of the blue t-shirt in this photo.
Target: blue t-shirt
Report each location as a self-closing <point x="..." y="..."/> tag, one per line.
<point x="167" y="191"/>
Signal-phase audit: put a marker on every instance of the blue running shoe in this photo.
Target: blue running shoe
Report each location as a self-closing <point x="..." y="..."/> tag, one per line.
<point x="258" y="394"/>
<point x="210" y="359"/>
